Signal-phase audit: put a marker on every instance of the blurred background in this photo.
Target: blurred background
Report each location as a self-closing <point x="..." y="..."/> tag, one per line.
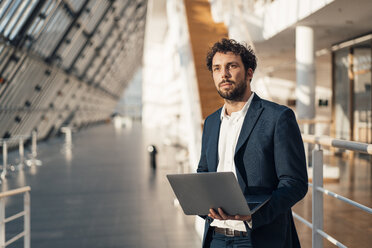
<point x="100" y="99"/>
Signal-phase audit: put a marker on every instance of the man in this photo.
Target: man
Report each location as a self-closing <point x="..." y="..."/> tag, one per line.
<point x="261" y="143"/>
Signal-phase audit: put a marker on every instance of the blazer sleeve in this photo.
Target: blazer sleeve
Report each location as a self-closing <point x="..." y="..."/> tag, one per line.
<point x="290" y="166"/>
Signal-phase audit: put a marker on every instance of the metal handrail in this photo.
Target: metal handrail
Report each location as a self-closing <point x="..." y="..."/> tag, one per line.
<point x="15" y="191"/>
<point x="15" y="138"/>
<point x="318" y="190"/>
<point x="330" y="239"/>
<point x="339" y="143"/>
<point x="302" y="220"/>
<point x="20" y="138"/>
<point x="344" y="199"/>
<point x="325" y="235"/>
<point x="313" y="121"/>
<point x="26" y="233"/>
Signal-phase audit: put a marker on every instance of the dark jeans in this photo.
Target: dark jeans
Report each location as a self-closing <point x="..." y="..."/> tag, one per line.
<point x="222" y="241"/>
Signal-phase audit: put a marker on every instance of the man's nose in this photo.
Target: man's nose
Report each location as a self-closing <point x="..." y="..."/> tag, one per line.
<point x="225" y="73"/>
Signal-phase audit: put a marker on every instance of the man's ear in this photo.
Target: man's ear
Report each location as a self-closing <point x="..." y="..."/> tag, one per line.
<point x="249" y="74"/>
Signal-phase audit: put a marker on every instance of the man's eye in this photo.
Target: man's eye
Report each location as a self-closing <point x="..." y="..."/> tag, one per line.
<point x="216" y="69"/>
<point x="233" y="66"/>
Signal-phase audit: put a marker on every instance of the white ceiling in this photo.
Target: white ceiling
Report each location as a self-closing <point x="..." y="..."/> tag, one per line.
<point x="338" y="21"/>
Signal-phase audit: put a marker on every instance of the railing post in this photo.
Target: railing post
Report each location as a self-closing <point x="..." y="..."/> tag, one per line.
<point x="34" y="145"/>
<point x="34" y="160"/>
<point x="68" y="137"/>
<point x="21" y="153"/>
<point x="2" y="223"/>
<point x="27" y="220"/>
<point x="5" y="160"/>
<point x="317" y="201"/>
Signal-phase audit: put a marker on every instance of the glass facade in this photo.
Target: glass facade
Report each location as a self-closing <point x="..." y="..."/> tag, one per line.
<point x="65" y="63"/>
<point x="341" y="93"/>
<point x="352" y="92"/>
<point x="362" y="92"/>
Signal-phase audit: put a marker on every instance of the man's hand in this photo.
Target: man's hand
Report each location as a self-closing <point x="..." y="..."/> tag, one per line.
<point x="222" y="216"/>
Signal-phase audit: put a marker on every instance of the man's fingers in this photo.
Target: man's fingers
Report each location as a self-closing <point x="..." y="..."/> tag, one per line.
<point x="243" y="217"/>
<point x="213" y="214"/>
<point x="222" y="213"/>
<point x="238" y="217"/>
<point x="225" y="216"/>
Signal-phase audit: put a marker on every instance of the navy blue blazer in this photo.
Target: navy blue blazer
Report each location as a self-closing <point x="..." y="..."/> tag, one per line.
<point x="269" y="159"/>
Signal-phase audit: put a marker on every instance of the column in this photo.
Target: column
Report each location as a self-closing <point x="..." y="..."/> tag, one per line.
<point x="305" y="71"/>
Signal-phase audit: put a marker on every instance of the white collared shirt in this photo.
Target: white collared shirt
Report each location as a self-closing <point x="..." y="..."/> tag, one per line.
<point x="228" y="139"/>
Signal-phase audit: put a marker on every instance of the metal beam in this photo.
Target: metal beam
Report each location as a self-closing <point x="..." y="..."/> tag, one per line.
<point x="67" y="31"/>
<point x="89" y="38"/>
<point x="21" y="37"/>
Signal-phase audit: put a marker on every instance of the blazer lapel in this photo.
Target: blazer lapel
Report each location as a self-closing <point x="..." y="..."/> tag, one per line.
<point x="250" y="121"/>
<point x="215" y="133"/>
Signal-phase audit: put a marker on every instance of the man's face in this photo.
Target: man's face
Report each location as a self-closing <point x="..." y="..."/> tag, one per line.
<point x="230" y="78"/>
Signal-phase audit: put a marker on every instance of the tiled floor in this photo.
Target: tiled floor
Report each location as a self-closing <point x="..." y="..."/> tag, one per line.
<point x="105" y="196"/>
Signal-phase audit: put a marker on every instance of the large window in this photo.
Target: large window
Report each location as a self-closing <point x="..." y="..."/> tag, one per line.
<point x="341" y="93"/>
<point x="352" y="90"/>
<point x="362" y="92"/>
<point x="13" y="14"/>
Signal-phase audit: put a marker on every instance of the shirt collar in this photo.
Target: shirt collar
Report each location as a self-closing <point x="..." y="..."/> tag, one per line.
<point x="239" y="113"/>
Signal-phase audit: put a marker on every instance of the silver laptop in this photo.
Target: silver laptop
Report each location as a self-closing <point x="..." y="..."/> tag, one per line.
<point x="198" y="192"/>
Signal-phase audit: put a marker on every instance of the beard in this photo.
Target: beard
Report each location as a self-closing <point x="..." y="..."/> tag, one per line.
<point x="234" y="94"/>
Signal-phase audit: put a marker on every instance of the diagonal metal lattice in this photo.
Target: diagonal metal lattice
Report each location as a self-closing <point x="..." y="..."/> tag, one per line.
<point x="65" y="62"/>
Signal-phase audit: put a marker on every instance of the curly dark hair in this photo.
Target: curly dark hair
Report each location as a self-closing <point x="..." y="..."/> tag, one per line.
<point x="229" y="45"/>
